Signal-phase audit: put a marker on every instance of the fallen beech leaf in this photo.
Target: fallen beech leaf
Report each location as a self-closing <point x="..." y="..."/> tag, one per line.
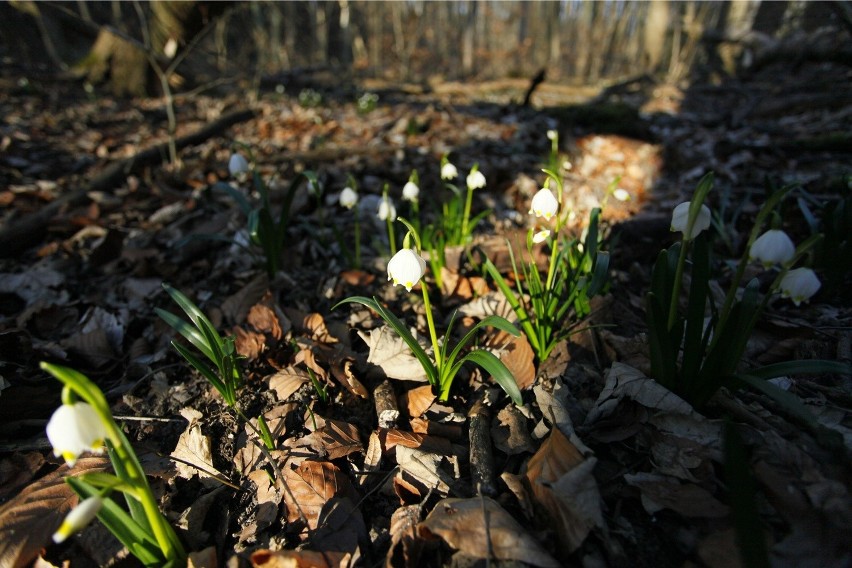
<point x="341" y="368"/>
<point x="28" y="520"/>
<point x="480" y="527"/>
<point x="236" y="306"/>
<point x="268" y="499"/>
<point x="287" y="381"/>
<point x="517" y="354"/>
<point x="299" y="559"/>
<point x="490" y="304"/>
<point x="203" y="558"/>
<point x="192" y="453"/>
<point x="249" y="344"/>
<point x="405" y="546"/>
<point x="336" y="439"/>
<point x="357" y="277"/>
<point x="663" y="492"/>
<point x="423" y="442"/>
<point x="306" y="356"/>
<point x="389" y="351"/>
<point x="17" y="470"/>
<point x="562" y="481"/>
<point x="418" y="400"/>
<point x="311" y="485"/>
<point x="423" y="470"/>
<point x="263" y="319"/>
<point x="509" y="432"/>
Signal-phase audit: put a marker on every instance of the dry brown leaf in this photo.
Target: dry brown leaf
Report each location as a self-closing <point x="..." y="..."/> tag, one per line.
<point x="93" y="345"/>
<point x="342" y="369"/>
<point x="452" y="432"/>
<point x="249" y="344"/>
<point x="390" y="352"/>
<point x="206" y="558"/>
<point x="517" y="354"/>
<point x="405" y="546"/>
<point x="312" y="325"/>
<point x="424" y="442"/>
<point x="236" y="306"/>
<point x="355" y="277"/>
<point x="562" y="481"/>
<point x="422" y="470"/>
<point x="287" y="381"/>
<point x="311" y="485"/>
<point x="299" y="559"/>
<point x="16" y="470"/>
<point x="480" y="527"/>
<point x="335" y="439"/>
<point x="509" y="431"/>
<point x="267" y="499"/>
<point x="28" y="520"/>
<point x="663" y="492"/>
<point x="192" y="453"/>
<point x="418" y="400"/>
<point x="263" y="319"/>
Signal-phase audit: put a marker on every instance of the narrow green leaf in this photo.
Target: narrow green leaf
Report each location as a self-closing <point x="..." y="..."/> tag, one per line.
<point x="121" y="525"/>
<point x="187" y="331"/>
<point x="806" y="367"/>
<point x="495" y="367"/>
<point x="742" y="491"/>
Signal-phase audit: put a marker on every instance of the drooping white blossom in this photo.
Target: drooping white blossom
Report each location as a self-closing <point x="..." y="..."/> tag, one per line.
<point x="74" y="429"/>
<point x="449" y="171"/>
<point x="387" y="210"/>
<point x="772" y="247"/>
<point x="621" y="194"/>
<point x="544" y="204"/>
<point x="237" y="165"/>
<point x="799" y="285"/>
<point x="348" y="198"/>
<point x="475" y="179"/>
<point x="680" y="219"/>
<point x="410" y="191"/>
<point x="406" y="268"/>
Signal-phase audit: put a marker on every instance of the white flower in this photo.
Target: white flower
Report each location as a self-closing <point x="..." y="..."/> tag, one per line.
<point x="621" y="194"/>
<point x="544" y="204"/>
<point x="552" y="134"/>
<point x="799" y="285"/>
<point x="237" y="165"/>
<point x="74" y="429"/>
<point x="348" y="198"/>
<point x="541" y="236"/>
<point x="680" y="218"/>
<point x="410" y="191"/>
<point x="406" y="268"/>
<point x="449" y="171"/>
<point x="79" y="517"/>
<point x="475" y="180"/>
<point x="772" y="247"/>
<point x="387" y="209"/>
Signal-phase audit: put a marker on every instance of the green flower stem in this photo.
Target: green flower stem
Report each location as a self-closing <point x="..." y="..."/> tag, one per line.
<point x="357" y="239"/>
<point x="391" y="237"/>
<point x="431" y="323"/>
<point x="466" y="216"/>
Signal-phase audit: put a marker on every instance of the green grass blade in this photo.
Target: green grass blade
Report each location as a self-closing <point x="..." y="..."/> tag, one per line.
<point x="806" y="367"/>
<point x="187" y="331"/>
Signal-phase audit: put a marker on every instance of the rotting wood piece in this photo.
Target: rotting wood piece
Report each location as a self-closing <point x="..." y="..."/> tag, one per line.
<point x="30" y="230"/>
<point x="481" y="457"/>
<point x="386" y="406"/>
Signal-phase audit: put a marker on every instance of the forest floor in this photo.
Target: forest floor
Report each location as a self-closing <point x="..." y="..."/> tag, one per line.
<point x="600" y="467"/>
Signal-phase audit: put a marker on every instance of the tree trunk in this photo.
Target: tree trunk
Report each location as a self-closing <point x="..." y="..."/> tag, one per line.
<point x="656" y="30"/>
<point x="125" y="64"/>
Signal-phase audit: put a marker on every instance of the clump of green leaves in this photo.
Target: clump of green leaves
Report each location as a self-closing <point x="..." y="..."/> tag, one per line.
<point x="265" y="230"/>
<point x="407" y="268"/>
<point x="693" y="354"/>
<point x="577" y="271"/>
<point x="224" y="374"/>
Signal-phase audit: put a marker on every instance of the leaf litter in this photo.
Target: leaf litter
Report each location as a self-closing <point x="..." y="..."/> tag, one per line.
<point x="601" y="465"/>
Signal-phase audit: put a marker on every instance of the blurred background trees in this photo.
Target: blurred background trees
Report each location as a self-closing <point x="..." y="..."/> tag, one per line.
<point x="113" y="44"/>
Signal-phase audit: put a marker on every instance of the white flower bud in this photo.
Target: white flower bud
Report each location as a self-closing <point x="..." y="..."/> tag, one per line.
<point x="621" y="194"/>
<point x="475" y="180"/>
<point x="237" y="164"/>
<point x="386" y="210"/>
<point x="544" y="204"/>
<point x="410" y="191"/>
<point x="74" y="429"/>
<point x="552" y="134"/>
<point x="541" y="236"/>
<point x="772" y="247"/>
<point x="406" y="268"/>
<point x="348" y="198"/>
<point x="799" y="285"/>
<point x="680" y="219"/>
<point x="449" y="171"/>
<point x="78" y="518"/>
